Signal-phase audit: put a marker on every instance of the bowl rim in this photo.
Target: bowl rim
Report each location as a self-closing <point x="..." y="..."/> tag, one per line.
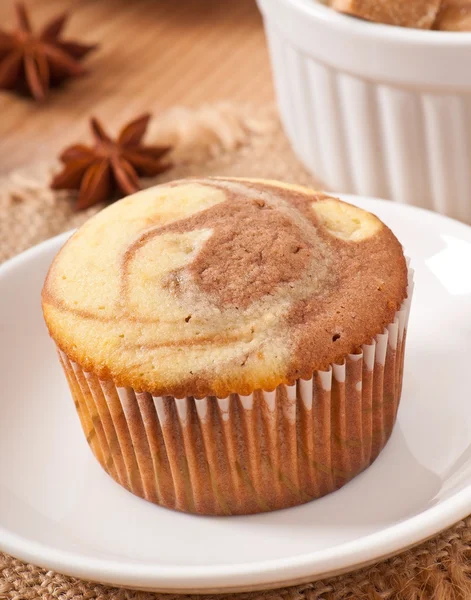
<point x="316" y="10"/>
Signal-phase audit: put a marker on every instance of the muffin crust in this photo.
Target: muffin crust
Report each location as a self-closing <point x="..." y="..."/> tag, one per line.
<point x="217" y="286"/>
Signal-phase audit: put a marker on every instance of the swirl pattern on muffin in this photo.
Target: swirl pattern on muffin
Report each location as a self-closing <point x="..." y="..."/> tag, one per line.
<point x="218" y="286"/>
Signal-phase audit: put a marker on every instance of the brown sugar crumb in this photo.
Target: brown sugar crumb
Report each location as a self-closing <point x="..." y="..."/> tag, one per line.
<point x="454" y="15"/>
<point x="419" y="14"/>
<point x="172" y="281"/>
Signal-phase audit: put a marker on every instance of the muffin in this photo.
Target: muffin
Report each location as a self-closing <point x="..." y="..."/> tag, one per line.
<point x="232" y="346"/>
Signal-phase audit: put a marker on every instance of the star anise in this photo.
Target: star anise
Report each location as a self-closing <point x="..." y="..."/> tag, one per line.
<point x="32" y="63"/>
<point x="110" y="166"/>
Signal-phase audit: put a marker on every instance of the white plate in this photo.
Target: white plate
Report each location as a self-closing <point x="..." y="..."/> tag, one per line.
<point x="58" y="509"/>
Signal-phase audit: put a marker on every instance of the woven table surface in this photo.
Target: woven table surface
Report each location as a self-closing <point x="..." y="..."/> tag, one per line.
<point x="216" y="140"/>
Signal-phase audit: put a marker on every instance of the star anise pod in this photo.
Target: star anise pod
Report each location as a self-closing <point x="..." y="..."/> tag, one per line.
<point x="110" y="166"/>
<point x="32" y="63"/>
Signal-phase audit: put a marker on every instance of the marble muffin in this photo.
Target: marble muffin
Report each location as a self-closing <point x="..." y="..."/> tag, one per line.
<point x="232" y="345"/>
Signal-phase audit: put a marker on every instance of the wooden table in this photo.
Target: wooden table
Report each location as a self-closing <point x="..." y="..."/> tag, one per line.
<point x="153" y="54"/>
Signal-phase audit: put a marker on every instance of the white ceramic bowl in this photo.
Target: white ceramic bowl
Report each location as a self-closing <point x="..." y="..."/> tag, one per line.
<point x="373" y="109"/>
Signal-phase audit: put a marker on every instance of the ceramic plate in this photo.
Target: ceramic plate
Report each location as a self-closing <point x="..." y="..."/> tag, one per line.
<point x="58" y="509"/>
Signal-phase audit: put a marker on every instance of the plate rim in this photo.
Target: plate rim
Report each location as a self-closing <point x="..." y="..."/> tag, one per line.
<point x="249" y="576"/>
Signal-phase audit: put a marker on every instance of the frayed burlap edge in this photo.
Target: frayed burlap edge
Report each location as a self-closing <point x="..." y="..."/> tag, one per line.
<point x="437" y="570"/>
<point x="30" y="212"/>
<point x="216" y="140"/>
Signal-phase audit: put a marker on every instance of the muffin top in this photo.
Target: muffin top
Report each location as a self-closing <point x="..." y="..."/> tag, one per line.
<point x="210" y="286"/>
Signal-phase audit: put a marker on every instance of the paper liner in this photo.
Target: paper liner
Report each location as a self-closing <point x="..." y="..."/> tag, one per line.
<point x="248" y="454"/>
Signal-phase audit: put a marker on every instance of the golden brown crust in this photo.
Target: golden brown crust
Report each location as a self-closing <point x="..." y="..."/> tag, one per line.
<point x="454" y="15"/>
<point x="419" y="14"/>
<point x="212" y="287"/>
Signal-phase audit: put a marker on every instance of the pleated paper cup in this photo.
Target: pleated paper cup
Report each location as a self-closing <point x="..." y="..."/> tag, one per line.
<point x="247" y="454"/>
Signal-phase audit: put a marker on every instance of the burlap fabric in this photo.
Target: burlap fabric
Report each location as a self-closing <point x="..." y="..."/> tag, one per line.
<point x="218" y="140"/>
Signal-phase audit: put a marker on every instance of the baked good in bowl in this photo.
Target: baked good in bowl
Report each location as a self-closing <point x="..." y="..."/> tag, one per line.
<point x="375" y="110"/>
<point x="454" y="15"/>
<point x="442" y="15"/>
<point x="420" y="14"/>
<point x="232" y="346"/>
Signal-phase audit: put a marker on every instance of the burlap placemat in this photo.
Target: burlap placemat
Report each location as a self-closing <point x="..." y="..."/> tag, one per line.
<point x="220" y="140"/>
